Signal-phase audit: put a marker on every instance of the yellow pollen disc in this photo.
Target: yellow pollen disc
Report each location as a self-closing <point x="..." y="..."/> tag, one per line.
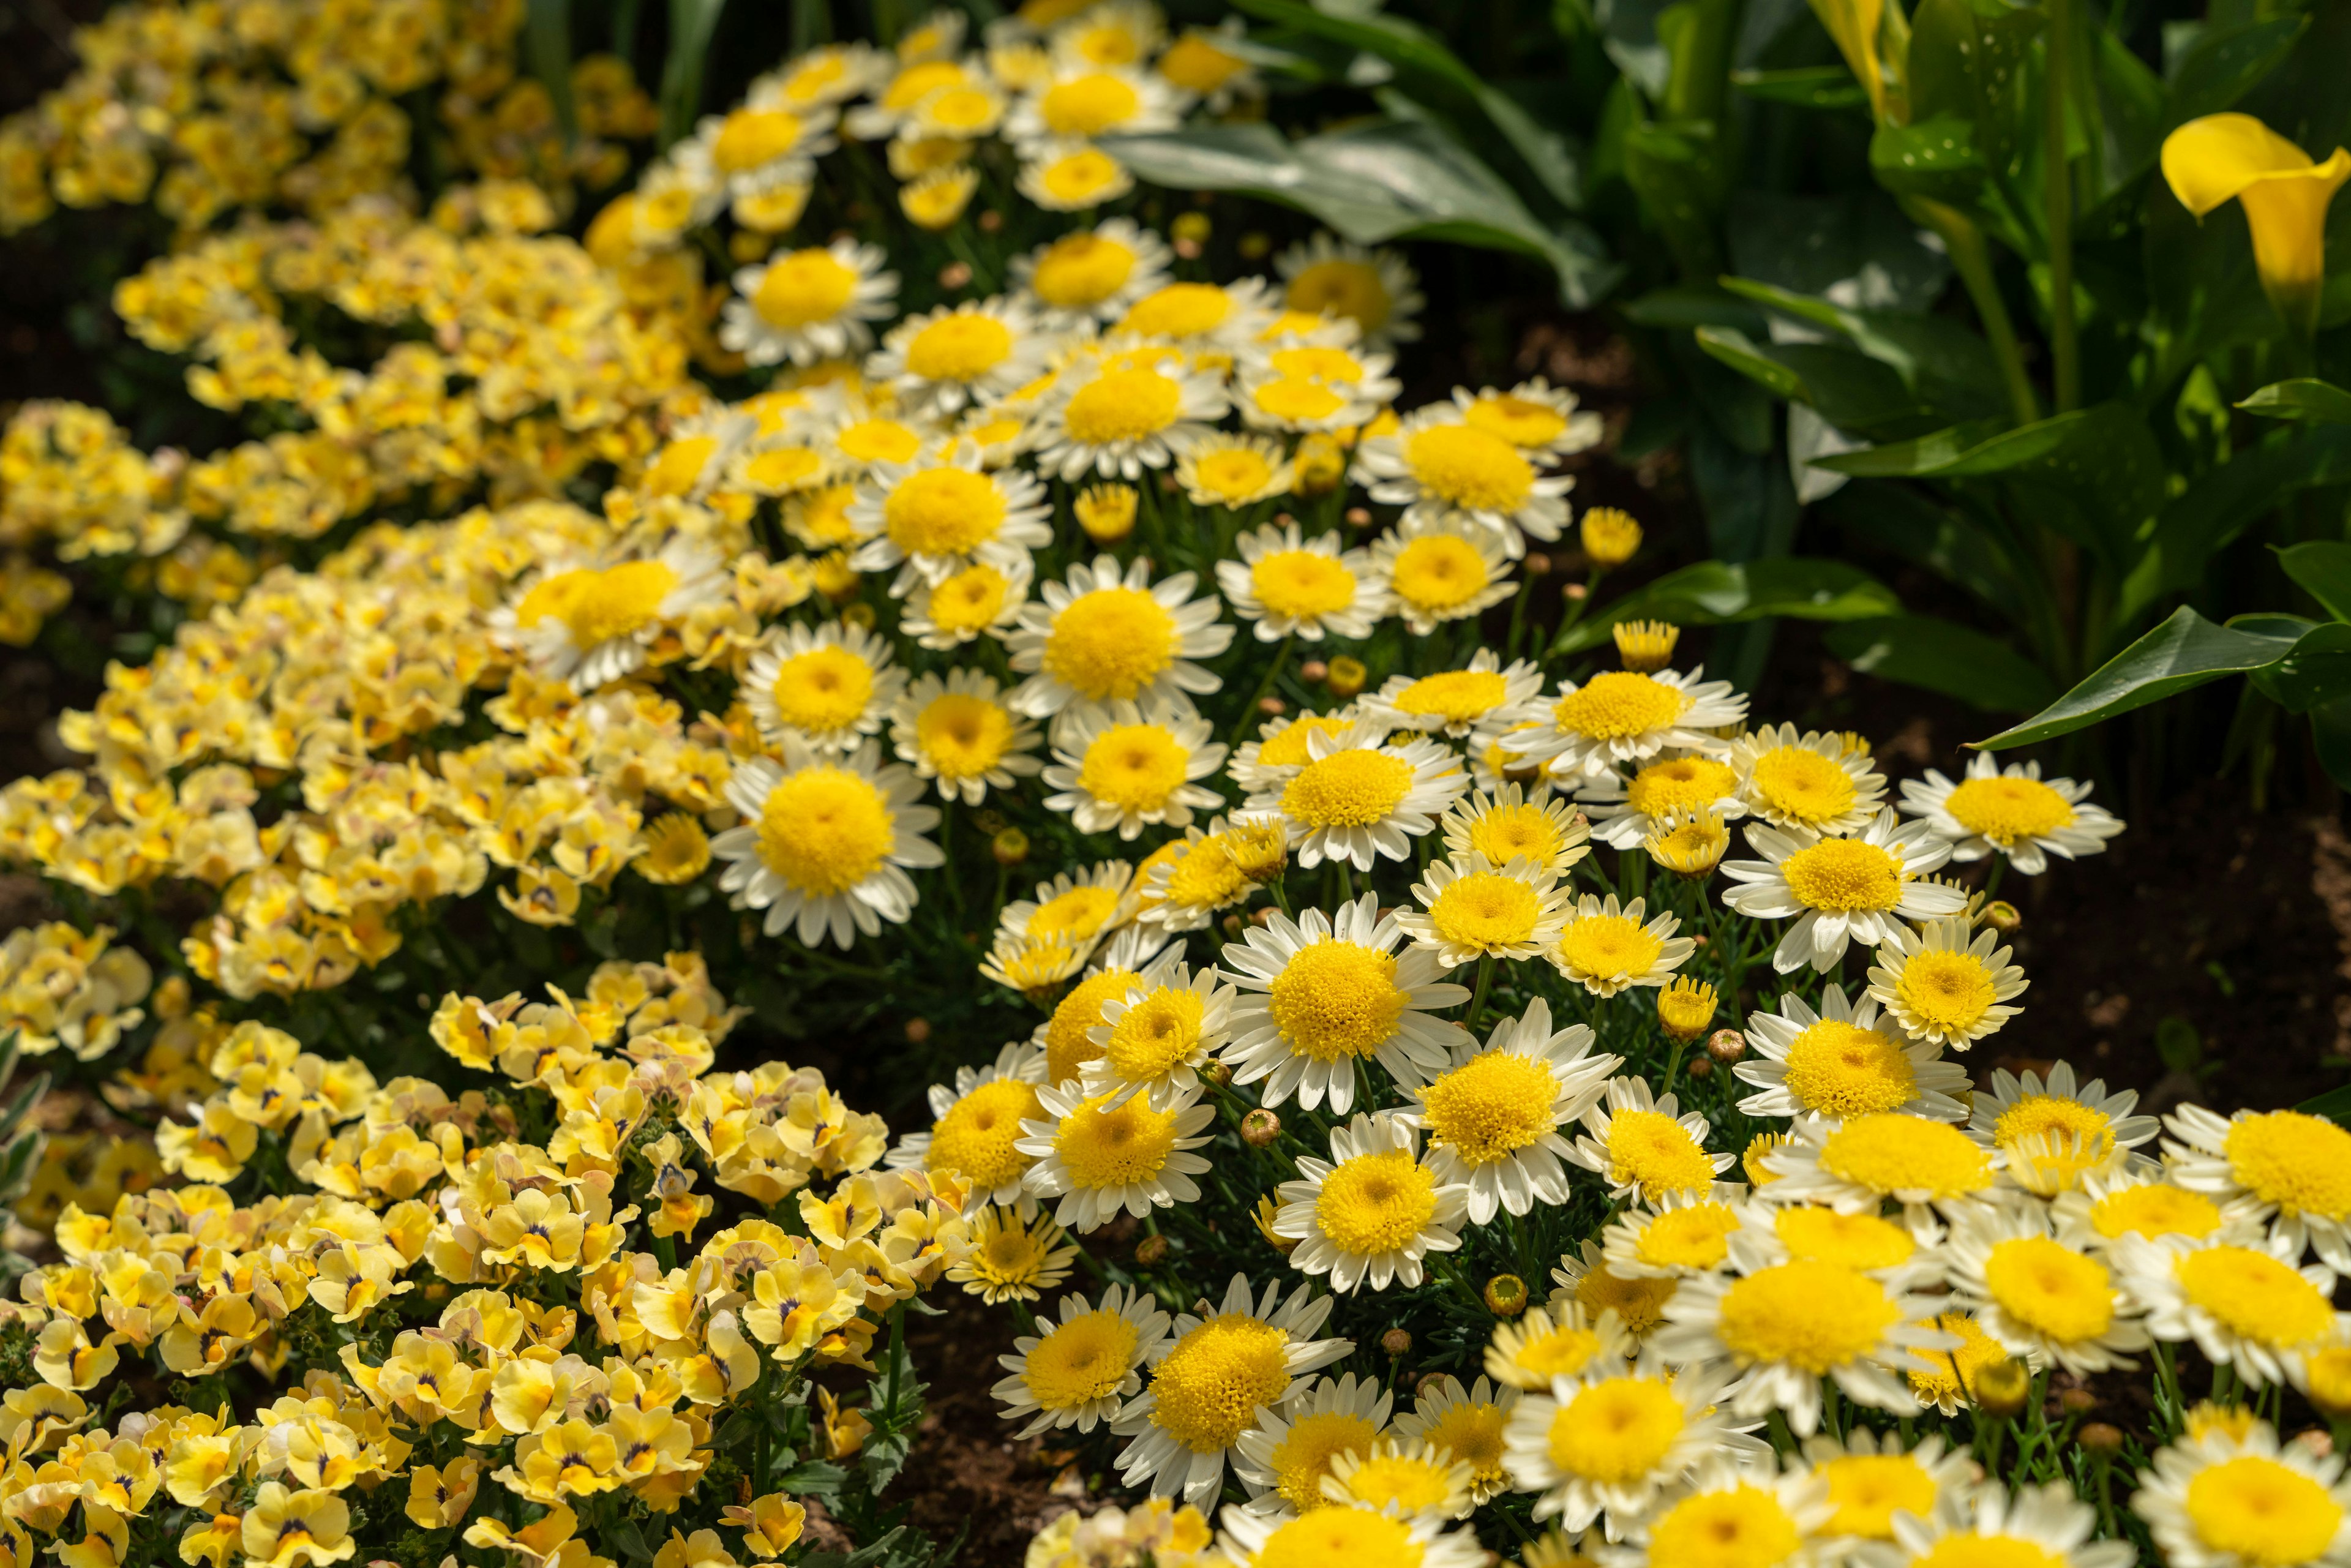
<point x="915" y="83"/>
<point x="1237" y="474"/>
<point x="2301" y="1163"/>
<point x="1179" y="310"/>
<point x="1698" y="1237"/>
<point x="969" y="600"/>
<point x="1407" y="1483"/>
<point x="2054" y="1117"/>
<point x="1457" y="696"/>
<point x="824" y="690"/>
<point x="1135" y="766"/>
<point x="1349" y="788"/>
<point x="2009" y="810"/>
<point x="1296" y="400"/>
<point x="1111" y="643"/>
<point x="1638" y="1301"/>
<point x="806" y="287"/>
<point x="1868" y="1489"/>
<point x="1067" y="1049"/>
<point x="1437" y="572"/>
<point x="878" y="441"/>
<point x="1608" y="948"/>
<point x="825" y="829"/>
<point x="2260" y="1512"/>
<point x="1948" y="990"/>
<point x="961" y="109"/>
<point x="1862" y="1242"/>
<point x="1486" y="909"/>
<point x="1616" y="1431"/>
<point x="1302" y="584"/>
<point x="1288" y="748"/>
<point x="1197" y="66"/>
<point x="2158" y="1209"/>
<point x="976" y="1135"/>
<point x="1507" y="833"/>
<point x="942" y="511"/>
<point x="1562" y="1352"/>
<point x="1469" y="469"/>
<point x="595" y="606"/>
<point x="680" y="465"/>
<point x="1122" y="405"/>
<point x="1075" y="916"/>
<point x="2252" y="1294"/>
<point x="1104" y="1148"/>
<point x="1651" y="1150"/>
<point x="782" y="468"/>
<point x="1813" y="1316"/>
<point x="963" y="735"/>
<point x="1081" y="1361"/>
<point x="1204" y="878"/>
<point x="1618" y="704"/>
<point x="1342" y="1538"/>
<point x="1088" y="105"/>
<point x="1802" y="785"/>
<point x="751" y="137"/>
<point x="1741" y="1526"/>
<point x="1839" y="1070"/>
<point x="1989" y="1551"/>
<point x="1156" y="1035"/>
<point x="1679" y="784"/>
<point x="1517" y="420"/>
<point x="1308" y="362"/>
<point x="1844" y="876"/>
<point x="1490" y="1106"/>
<point x="1081" y="175"/>
<point x="2051" y="1288"/>
<point x="1376" y="1202"/>
<point x="1471" y="1434"/>
<point x="1344" y="288"/>
<point x="959" y="348"/>
<point x="1082" y="270"/>
<point x="1336" y="999"/>
<point x="1891" y="1153"/>
<point x="1303" y="1457"/>
<point x="1207" y="1391"/>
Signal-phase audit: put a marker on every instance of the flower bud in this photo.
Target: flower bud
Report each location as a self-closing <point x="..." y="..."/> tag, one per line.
<point x="1396" y="1341"/>
<point x="1010" y="847"/>
<point x="1321" y="464"/>
<point x="2101" y="1439"/>
<point x="1150" y="1252"/>
<point x="954" y="274"/>
<point x="1346" y="677"/>
<point x="1726" y="1046"/>
<point x="1259" y="1128"/>
<point x="1646" y="645"/>
<point x="1106" y="512"/>
<point x="1312" y="670"/>
<point x="1610" y="537"/>
<point x="2003" y="916"/>
<point x="1537" y="564"/>
<point x="1699" y="1067"/>
<point x="1505" y="1295"/>
<point x="1684" y="1007"/>
<point x="2003" y="1387"/>
<point x="1218" y="1071"/>
<point x="917" y="1031"/>
<point x="1359" y="516"/>
<point x="1259" y="849"/>
<point x="1271" y="706"/>
<point x="2077" y="1401"/>
<point x="860" y="615"/>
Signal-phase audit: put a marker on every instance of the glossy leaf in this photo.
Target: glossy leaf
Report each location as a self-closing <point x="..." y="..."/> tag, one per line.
<point x="2322" y="568"/>
<point x="1942" y="539"/>
<point x="1851" y="390"/>
<point x="2185" y="651"/>
<point x="1934" y="159"/>
<point x="1859" y="247"/>
<point x="2225" y="63"/>
<point x="2330" y="735"/>
<point x="2315" y="671"/>
<point x="1948" y="366"/>
<point x="2221" y="503"/>
<point x="1947" y="657"/>
<point x="1671" y="169"/>
<point x="1714" y="593"/>
<point x="1805" y="87"/>
<point x="1966" y="62"/>
<point x="2321" y="402"/>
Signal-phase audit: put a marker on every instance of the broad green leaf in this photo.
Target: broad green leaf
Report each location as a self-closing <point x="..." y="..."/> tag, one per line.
<point x="1947" y="365"/>
<point x="1715" y="593"/>
<point x="2185" y="651"/>
<point x="691" y="24"/>
<point x="2322" y="569"/>
<point x="2130" y="111"/>
<point x="546" y="42"/>
<point x="1934" y="159"/>
<point x="1966" y="60"/>
<point x="2335" y="1103"/>
<point x="1688" y="304"/>
<point x="2330" y="735"/>
<point x="2221" y="503"/>
<point x="1944" y="539"/>
<point x="1944" y="656"/>
<point x="1851" y="390"/>
<point x="1805" y="87"/>
<point x="1672" y="169"/>
<point x="1917" y="459"/>
<point x="2315" y="671"/>
<point x="2224" y="63"/>
<point x="2321" y="402"/>
<point x="1629" y="32"/>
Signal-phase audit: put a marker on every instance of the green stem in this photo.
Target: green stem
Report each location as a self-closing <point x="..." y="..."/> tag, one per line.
<point x="2057" y="193"/>
<point x="1272" y="674"/>
<point x="1477" y="998"/>
<point x="1971" y="259"/>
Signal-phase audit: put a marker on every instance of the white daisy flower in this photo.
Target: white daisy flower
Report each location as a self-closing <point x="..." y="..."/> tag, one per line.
<point x="975" y="1124"/>
<point x="1837" y="1062"/>
<point x="1359" y="799"/>
<point x="1207" y="63"/>
<point x="1344" y="1535"/>
<point x="854" y="437"/>
<point x="950" y="116"/>
<point x="1211" y="321"/>
<point x="1840" y="890"/>
<point x="902" y="88"/>
<point x="2047" y="1526"/>
<point x="1075" y="907"/>
<point x="1607" y="949"/>
<point x="1184" y="882"/>
<point x="2244" y="1301"/>
<point x="1625" y="716"/>
<point x="2296" y="1166"/>
<point x="1084" y="102"/>
<point x="825" y="842"/>
<point x="945" y="359"/>
<point x="766" y="142"/>
<point x="809" y="305"/>
<point x="1092" y="276"/>
<point x="1534" y="416"/>
<point x="937" y="36"/>
<point x="1221" y="469"/>
<point x="1372" y="1210"/>
<point x="934" y="519"/>
<point x="2046" y="1301"/>
<point x="830" y="75"/>
<point x="2135" y="1197"/>
<point x="1442" y="471"/>
<point x="1455" y="702"/>
<point x="1557" y="1340"/>
<point x="1125" y="413"/>
<point x="958" y="733"/>
<point x="1465" y="1426"/>
<point x="1657" y="797"/>
<point x="1283" y="1459"/>
<point x="979" y="601"/>
<point x="1861" y="1164"/>
<point x="2058" y="1127"/>
<point x="699" y="452"/>
<point x="1069" y="176"/>
<point x="1811" y="780"/>
<point x="1154" y="1038"/>
<point x="995" y="435"/>
<point x="1225" y="1363"/>
<point x="1441" y="574"/>
<point x="1685" y="1232"/>
<point x="1737" y="1509"/>
<point x="1608" y="1441"/>
<point x="1472" y="908"/>
<point x="1083" y="1366"/>
<point x="2011" y="810"/>
<point x="1493" y="1113"/>
<point x="1110" y="33"/>
<point x="2225" y="1500"/>
<point x="1274" y="758"/>
<point x="1296" y="385"/>
<point x="1503" y="825"/>
<point x="1402" y="1478"/>
<point x="828" y="687"/>
<point x="1629" y="1305"/>
<point x="1781" y="1233"/>
<point x="1941" y="983"/>
<point x="1326" y="991"/>
<point x="1492" y="762"/>
<point x="1294" y="587"/>
<point x="1133" y="956"/>
<point x="591" y="625"/>
<point x="1646" y="1146"/>
<point x="1123" y="766"/>
<point x="1870" y="1478"/>
<point x="1101" y="1159"/>
<point x="1105" y="633"/>
<point x="1376" y="289"/>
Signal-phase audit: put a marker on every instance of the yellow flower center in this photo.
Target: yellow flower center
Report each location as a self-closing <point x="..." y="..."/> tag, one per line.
<point x="1067" y="1049"/>
<point x="969" y="600"/>
<point x="1206" y="877"/>
<point x="1111" y="643"/>
<point x="824" y="690"/>
<point x="1989" y="1551"/>
<point x="942" y="511"/>
<point x="1288" y="748"/>
<point x="2054" y="1117"/>
<point x="2258" y="1511"/>
<point x="1520" y="421"/>
<point x="878" y="441"/>
<point x="963" y="735"/>
<point x="2301" y="1163"/>
<point x="1507" y="833"/>
<point x="1807" y="1314"/>
<point x="1438" y="572"/>
<point x="1638" y="1301"/>
<point x="1308" y="362"/>
<point x="1468" y="469"/>
<point x="595" y="606"/>
<point x="1376" y="1202"/>
<point x="1103" y="1148"/>
<point x="961" y="109"/>
<point x="2007" y="810"/>
<point x="1678" y="785"/>
<point x="959" y="348"/>
<point x="804" y="287"/>
<point x="1158" y="1034"/>
<point x="2051" y="1288"/>
<point x="1081" y="1361"/>
<point x="976" y="1135"/>
<point x="751" y="137"/>
<point x="1485" y="910"/>
<point x="1207" y="1390"/>
<point x="1303" y="1457"/>
<point x="1077" y="178"/>
<point x="680" y="465"/>
<point x="2253" y="1295"/>
<point x="1122" y="405"/>
<point x="1457" y="697"/>
<point x="1342" y="1538"/>
<point x="1471" y="1434"/>
<point x="1349" y="788"/>
<point x="1868" y="1489"/>
<point x="915" y="83"/>
<point x="1608" y="948"/>
<point x="1179" y="310"/>
<point x="1088" y="105"/>
<point x="2156" y="1208"/>
<point x="1616" y="1431"/>
<point x="1336" y="999"/>
<point x="1303" y="584"/>
<point x="1558" y="1353"/>
<point x="1652" y="1151"/>
<point x="1741" y="1526"/>
<point x="1235" y="474"/>
<point x="1945" y="989"/>
<point x="1082" y="270"/>
<point x="1135" y="766"/>
<point x="1844" y="876"/>
<point x="1839" y="1070"/>
<point x="1407" y="1483"/>
<point x="1197" y="66"/>
<point x="1344" y="288"/>
<point x="1802" y="785"/>
<point x="1490" y="1106"/>
<point x="1698" y="1237"/>
<point x="1889" y="1153"/>
<point x="1296" y="401"/>
<point x="782" y="468"/>
<point x="825" y="829"/>
<point x="1862" y="1241"/>
<point x="1618" y="704"/>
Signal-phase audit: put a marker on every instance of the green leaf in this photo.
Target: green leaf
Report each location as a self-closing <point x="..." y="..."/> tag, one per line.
<point x="1944" y="539"/>
<point x="1947" y="657"/>
<point x="2330" y="735"/>
<point x="1966" y="62"/>
<point x="2335" y="1104"/>
<point x="2221" y="503"/>
<point x="546" y="42"/>
<point x="2187" y="651"/>
<point x="1933" y="159"/>
<point x="1858" y="247"/>
<point x="818" y="1478"/>
<point x="691" y="24"/>
<point x="1851" y="390"/>
<point x="1716" y="593"/>
<point x="1947" y="365"/>
<point x="1688" y="304"/>
<point x="2315" y="671"/>
<point x="2322" y="569"/>
<point x="1672" y="169"/>
<point x="2321" y="402"/>
<point x="1806" y="87"/>
<point x="2225" y="63"/>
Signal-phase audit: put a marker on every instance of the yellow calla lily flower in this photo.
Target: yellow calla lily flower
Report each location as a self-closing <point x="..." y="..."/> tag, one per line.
<point x="2220" y="157"/>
